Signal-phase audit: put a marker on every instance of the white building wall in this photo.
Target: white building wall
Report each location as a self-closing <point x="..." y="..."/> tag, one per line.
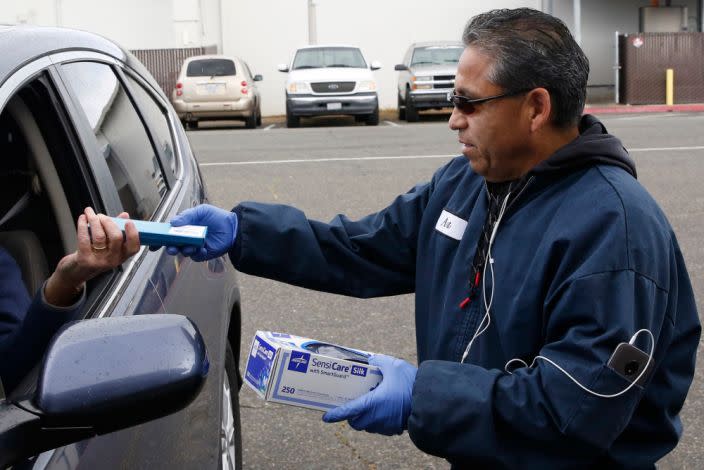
<point x="134" y="24"/>
<point x="43" y="12"/>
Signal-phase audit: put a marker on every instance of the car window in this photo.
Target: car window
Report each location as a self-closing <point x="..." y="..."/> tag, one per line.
<point x="247" y="71"/>
<point x="155" y="117"/>
<point x="211" y="68"/>
<point x="121" y="137"/>
<point x="319" y="57"/>
<point x="436" y="55"/>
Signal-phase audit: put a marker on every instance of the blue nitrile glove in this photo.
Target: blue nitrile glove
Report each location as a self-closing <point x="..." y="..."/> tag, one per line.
<point x="385" y="409"/>
<point x="222" y="230"/>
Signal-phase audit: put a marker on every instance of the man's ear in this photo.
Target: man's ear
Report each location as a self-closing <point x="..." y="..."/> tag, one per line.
<point x="539" y="108"/>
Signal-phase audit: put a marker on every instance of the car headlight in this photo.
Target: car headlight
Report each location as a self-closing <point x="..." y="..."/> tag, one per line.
<point x="298" y="87"/>
<point x="366" y="85"/>
<point x="422" y="82"/>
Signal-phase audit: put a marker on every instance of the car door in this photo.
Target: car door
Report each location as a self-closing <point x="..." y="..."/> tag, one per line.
<point x="71" y="174"/>
<point x="137" y="141"/>
<point x="112" y="143"/>
<point x="249" y="78"/>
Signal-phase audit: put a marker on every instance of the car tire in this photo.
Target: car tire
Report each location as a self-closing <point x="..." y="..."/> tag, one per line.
<point x="411" y="111"/>
<point x="230" y="429"/>
<point x="401" y="106"/>
<point x="259" y="116"/>
<point x="251" y="122"/>
<point x="291" y="120"/>
<point x="373" y="118"/>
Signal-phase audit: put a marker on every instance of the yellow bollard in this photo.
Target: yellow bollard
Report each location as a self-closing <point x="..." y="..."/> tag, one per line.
<point x="669" y="87"/>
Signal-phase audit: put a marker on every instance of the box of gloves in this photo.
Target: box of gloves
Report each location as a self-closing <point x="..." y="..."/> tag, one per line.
<point x="298" y="371"/>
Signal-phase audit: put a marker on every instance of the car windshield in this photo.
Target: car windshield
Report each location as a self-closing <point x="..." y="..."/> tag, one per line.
<point x="436" y="55"/>
<point x="211" y="68"/>
<point x="320" y="57"/>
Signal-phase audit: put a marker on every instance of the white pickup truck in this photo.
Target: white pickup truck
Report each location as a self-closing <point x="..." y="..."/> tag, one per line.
<point x="330" y="80"/>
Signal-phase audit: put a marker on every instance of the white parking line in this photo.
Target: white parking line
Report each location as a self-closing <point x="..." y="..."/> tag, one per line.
<point x="391" y="123"/>
<point x="661" y="149"/>
<point x="319" y="160"/>
<point x="409" y="157"/>
<point x="269" y="127"/>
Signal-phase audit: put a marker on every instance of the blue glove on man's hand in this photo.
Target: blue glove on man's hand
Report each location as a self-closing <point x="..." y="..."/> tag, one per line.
<point x="222" y="230"/>
<point x="385" y="409"/>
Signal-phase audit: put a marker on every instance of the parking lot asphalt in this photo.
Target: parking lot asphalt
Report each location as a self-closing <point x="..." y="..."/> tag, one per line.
<point x="335" y="166"/>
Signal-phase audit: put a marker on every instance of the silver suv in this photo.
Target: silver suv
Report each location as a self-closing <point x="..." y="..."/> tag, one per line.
<point x="427" y="75"/>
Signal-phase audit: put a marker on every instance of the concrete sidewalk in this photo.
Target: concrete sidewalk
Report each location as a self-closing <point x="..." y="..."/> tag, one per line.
<point x="603" y="108"/>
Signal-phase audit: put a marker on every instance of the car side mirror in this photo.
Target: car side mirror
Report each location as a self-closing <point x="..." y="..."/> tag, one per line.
<point x="105" y="374"/>
<point x="258" y="78"/>
<point x="375" y="65"/>
<point x="282" y="68"/>
<point x="400" y="67"/>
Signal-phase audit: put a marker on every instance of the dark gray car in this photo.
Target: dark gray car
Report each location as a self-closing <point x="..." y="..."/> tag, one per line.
<point x="82" y="123"/>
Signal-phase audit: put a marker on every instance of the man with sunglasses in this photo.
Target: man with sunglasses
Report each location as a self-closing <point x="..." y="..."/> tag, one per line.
<point x="535" y="257"/>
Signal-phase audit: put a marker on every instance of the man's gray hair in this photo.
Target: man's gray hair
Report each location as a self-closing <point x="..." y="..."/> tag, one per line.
<point x="532" y="49"/>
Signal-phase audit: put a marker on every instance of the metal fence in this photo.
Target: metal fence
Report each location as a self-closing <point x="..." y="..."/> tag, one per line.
<point x="165" y="64"/>
<point x="644" y="59"/>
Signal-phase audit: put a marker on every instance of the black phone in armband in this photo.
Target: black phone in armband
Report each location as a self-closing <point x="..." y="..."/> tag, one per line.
<point x="628" y="361"/>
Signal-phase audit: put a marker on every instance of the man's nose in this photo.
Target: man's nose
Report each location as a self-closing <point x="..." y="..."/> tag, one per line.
<point x="456" y="121"/>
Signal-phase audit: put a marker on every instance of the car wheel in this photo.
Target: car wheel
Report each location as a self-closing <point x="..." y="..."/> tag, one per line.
<point x="411" y="111"/>
<point x="291" y="120"/>
<point x="259" y="116"/>
<point x="230" y="430"/>
<point x="251" y="121"/>
<point x="401" y="108"/>
<point x="373" y="118"/>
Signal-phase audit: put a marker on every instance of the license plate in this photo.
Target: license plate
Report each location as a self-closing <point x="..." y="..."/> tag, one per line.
<point x="334" y="106"/>
<point x="212" y="88"/>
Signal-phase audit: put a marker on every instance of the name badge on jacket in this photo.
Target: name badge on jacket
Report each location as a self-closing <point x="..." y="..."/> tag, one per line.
<point x="451" y="225"/>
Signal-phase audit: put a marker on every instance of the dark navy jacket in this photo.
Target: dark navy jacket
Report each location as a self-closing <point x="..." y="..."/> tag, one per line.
<point x="26" y="324"/>
<point x="583" y="258"/>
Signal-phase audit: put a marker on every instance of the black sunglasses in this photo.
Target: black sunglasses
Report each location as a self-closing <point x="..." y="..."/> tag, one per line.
<point x="468" y="105"/>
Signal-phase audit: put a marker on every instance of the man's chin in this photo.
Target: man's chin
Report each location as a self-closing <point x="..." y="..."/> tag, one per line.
<point x="476" y="167"/>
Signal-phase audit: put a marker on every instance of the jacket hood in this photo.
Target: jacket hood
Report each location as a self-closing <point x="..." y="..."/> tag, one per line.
<point x="593" y="146"/>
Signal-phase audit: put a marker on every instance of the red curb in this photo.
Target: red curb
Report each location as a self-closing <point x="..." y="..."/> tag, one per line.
<point x="647" y="108"/>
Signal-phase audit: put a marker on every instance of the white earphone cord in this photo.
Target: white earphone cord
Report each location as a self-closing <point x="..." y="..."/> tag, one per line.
<point x="481" y="328"/>
<point x="487" y="261"/>
<point x="613" y="395"/>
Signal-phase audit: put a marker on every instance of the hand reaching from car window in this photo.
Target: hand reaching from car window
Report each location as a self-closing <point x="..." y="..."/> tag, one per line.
<point x="222" y="231"/>
<point x="100" y="249"/>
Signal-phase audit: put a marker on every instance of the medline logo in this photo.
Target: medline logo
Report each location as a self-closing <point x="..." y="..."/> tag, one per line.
<point x="299" y="361"/>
